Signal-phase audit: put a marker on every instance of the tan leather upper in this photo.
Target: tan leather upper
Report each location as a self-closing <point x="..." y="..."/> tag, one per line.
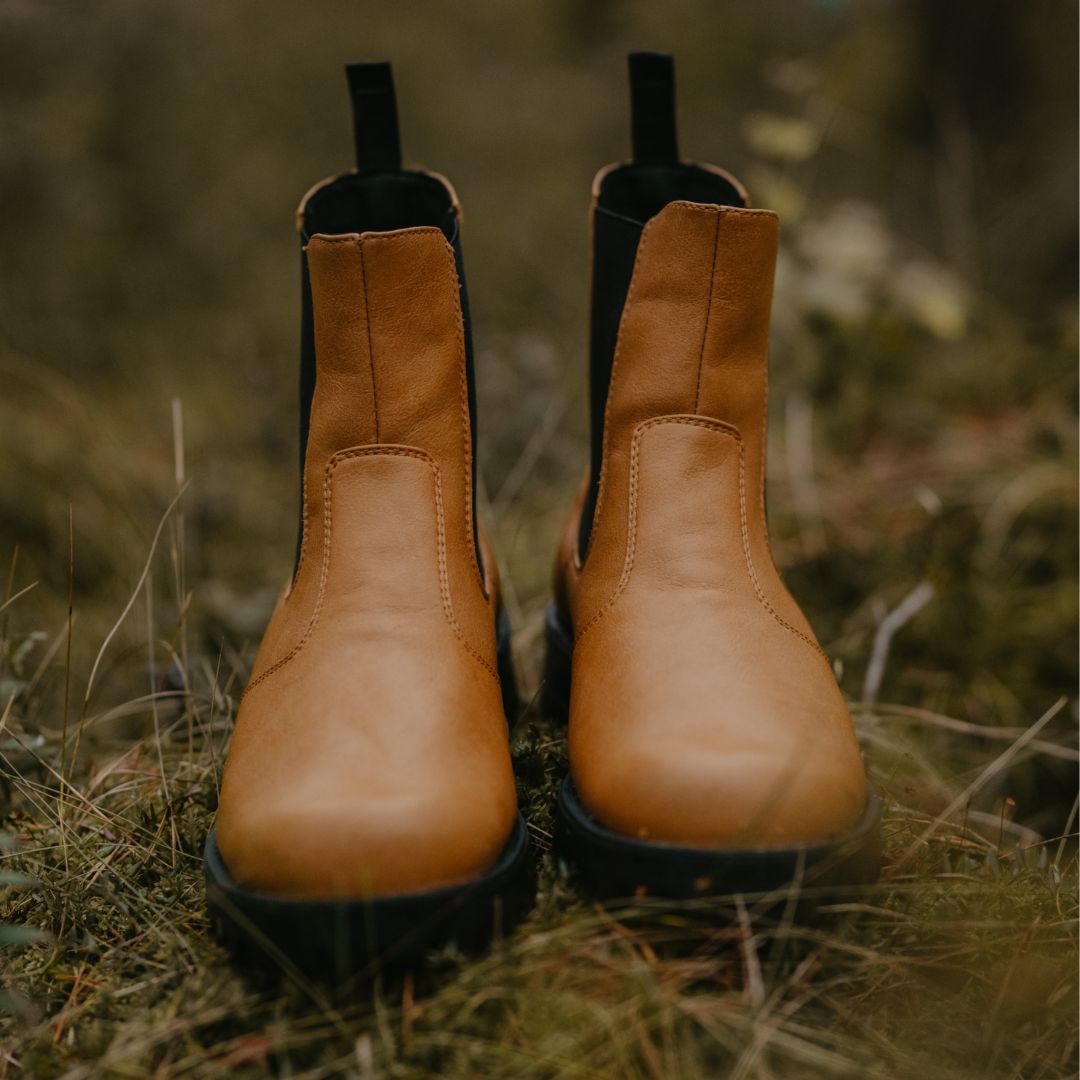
<point x="370" y="753"/>
<point x="702" y="710"/>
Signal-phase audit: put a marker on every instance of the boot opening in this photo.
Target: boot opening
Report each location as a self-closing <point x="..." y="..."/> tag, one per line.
<point x="639" y="192"/>
<point x="380" y="202"/>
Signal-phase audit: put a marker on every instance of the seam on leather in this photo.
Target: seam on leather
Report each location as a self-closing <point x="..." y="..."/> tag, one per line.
<point x="303" y="535"/>
<point x="708" y="316"/>
<point x="646" y="232"/>
<point x="444" y="582"/>
<point x="764" y="438"/>
<point x="448" y="256"/>
<point x="752" y="212"/>
<point x="765" y="602"/>
<point x="735" y="211"/>
<point x="336" y="238"/>
<point x="370" y="343"/>
<point x="631" y="534"/>
<point x="631" y="529"/>
<point x="444" y="573"/>
<point x="466" y="422"/>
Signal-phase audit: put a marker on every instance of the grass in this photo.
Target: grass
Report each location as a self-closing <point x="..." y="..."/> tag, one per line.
<point x="961" y="962"/>
<point x="922" y="444"/>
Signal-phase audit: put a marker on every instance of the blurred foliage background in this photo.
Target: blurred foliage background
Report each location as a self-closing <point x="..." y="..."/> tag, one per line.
<point x="923" y="158"/>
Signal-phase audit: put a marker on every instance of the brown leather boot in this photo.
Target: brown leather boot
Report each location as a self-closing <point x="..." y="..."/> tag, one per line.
<point x="710" y="748"/>
<point x="368" y="805"/>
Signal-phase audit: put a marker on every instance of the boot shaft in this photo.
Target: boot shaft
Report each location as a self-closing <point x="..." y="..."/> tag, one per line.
<point x="386" y="369"/>
<point x="682" y="279"/>
<point x="386" y="346"/>
<point x="694" y="333"/>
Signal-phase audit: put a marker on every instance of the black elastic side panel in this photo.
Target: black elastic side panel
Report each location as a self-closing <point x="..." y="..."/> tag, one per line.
<point x="615" y="244"/>
<point x="470" y="377"/>
<point x="642" y="191"/>
<point x="379" y="202"/>
<point x="307" y="385"/>
<point x="652" y="109"/>
<point x="374" y="114"/>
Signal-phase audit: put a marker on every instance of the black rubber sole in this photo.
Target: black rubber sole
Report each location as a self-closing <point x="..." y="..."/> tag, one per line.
<point x="339" y="939"/>
<point x="614" y="866"/>
<point x="352" y="938"/>
<point x="618" y="867"/>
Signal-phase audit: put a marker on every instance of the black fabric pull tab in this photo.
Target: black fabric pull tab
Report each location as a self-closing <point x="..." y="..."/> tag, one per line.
<point x="374" y="113"/>
<point x="652" y="109"/>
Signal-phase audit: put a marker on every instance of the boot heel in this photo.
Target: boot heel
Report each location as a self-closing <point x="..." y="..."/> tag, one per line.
<point x="559" y="648"/>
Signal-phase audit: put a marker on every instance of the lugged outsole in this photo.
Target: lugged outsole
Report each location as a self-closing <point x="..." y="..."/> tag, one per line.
<point x="619" y="867"/>
<point x="339" y="939"/>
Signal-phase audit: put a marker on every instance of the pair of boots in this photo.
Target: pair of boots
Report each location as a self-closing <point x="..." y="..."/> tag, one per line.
<point x="368" y="804"/>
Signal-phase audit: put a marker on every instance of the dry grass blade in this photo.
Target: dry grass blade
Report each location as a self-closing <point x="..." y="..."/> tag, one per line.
<point x="134" y="595"/>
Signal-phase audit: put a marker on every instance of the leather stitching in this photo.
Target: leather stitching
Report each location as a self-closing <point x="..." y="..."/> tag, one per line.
<point x="736" y="211"/>
<point x="370" y="344"/>
<point x="448" y="255"/>
<point x="346" y="238"/>
<point x="765" y="602"/>
<point x="466" y="423"/>
<point x="444" y="576"/>
<point x="764" y="440"/>
<point x="444" y="582"/>
<point x="455" y="285"/>
<point x="708" y="316"/>
<point x="631" y="530"/>
<point x="638" y="260"/>
<point x="631" y="537"/>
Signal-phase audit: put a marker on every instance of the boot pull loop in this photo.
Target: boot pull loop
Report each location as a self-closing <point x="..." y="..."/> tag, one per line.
<point x="652" y="109"/>
<point x="374" y="116"/>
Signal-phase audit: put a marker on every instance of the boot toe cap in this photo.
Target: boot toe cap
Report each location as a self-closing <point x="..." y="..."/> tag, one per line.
<point x="382" y="846"/>
<point x="683" y="793"/>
